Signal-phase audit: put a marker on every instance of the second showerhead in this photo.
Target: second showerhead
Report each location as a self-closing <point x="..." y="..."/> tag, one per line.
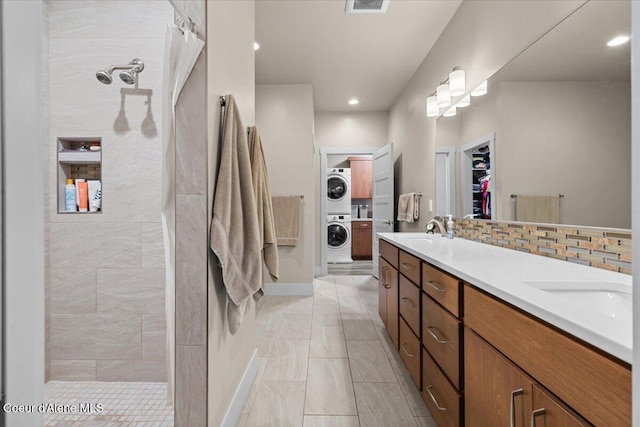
<point x="129" y="74"/>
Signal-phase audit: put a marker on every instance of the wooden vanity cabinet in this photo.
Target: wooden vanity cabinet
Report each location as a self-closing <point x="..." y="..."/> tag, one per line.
<point x="361" y="239"/>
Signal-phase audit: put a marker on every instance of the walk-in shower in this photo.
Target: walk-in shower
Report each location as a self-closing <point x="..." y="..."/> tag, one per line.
<point x="129" y="75"/>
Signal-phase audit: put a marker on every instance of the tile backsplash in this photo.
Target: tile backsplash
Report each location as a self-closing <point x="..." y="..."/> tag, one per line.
<point x="606" y="248"/>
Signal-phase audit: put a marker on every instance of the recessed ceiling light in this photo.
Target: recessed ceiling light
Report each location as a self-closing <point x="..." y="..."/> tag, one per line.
<point x="256" y="45"/>
<point x="353" y="101"/>
<point x="617" y="41"/>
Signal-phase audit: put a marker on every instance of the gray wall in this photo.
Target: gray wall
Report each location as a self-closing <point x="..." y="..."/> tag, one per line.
<point x="481" y="38"/>
<point x="230" y="70"/>
<point x="106" y="279"/>
<point x="284" y="117"/>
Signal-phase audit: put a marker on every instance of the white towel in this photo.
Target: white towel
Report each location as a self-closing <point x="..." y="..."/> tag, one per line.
<point x="406" y="207"/>
<point x="544" y="209"/>
<point x="235" y="234"/>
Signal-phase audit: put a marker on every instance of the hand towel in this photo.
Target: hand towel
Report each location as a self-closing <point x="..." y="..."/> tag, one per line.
<point x="235" y="235"/>
<point x="545" y="209"/>
<point x="261" y="190"/>
<point x="286" y="212"/>
<point x="406" y="208"/>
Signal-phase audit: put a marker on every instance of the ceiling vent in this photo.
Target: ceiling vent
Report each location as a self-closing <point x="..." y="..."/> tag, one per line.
<point x="367" y="6"/>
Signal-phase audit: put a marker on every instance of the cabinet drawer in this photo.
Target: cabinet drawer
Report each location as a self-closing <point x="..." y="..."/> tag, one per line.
<point x="410" y="351"/>
<point x="388" y="252"/>
<point x="410" y="304"/>
<point x="441" y="334"/>
<point x="441" y="398"/>
<point x="442" y="287"/>
<point x="361" y="224"/>
<point x="596" y="386"/>
<point x="410" y="267"/>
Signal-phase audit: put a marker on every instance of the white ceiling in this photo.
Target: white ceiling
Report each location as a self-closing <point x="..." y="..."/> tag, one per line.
<point x="576" y="49"/>
<point x="368" y="56"/>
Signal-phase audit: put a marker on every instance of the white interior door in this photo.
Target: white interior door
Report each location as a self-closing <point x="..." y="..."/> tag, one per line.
<point x="383" y="197"/>
<point x="445" y="181"/>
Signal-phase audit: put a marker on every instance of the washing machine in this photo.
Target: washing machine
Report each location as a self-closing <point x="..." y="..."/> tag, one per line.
<point x="339" y="239"/>
<point x="339" y="191"/>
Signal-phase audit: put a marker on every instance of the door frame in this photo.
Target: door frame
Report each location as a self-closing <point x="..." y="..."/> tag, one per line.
<point x="324" y="152"/>
<point x="451" y="178"/>
<point x="466" y="163"/>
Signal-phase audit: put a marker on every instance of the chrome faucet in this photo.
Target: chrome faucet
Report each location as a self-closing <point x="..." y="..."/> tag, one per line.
<point x="439" y="221"/>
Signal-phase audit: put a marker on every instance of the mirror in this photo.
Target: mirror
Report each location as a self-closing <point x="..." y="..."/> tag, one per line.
<point x="560" y="113"/>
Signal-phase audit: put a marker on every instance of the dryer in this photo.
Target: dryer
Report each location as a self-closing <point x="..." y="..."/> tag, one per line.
<point x="339" y="191"/>
<point x="339" y="239"/>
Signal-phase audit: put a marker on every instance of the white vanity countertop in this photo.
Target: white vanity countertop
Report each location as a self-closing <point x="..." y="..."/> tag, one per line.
<point x="503" y="272"/>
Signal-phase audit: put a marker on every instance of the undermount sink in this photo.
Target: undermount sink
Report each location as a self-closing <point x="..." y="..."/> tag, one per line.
<point x="612" y="299"/>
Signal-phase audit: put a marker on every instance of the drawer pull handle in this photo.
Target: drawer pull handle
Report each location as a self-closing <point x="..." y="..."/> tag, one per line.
<point x="440" y="408"/>
<point x="512" y="408"/>
<point x="404" y="300"/>
<point x="405" y="350"/>
<point x="534" y="414"/>
<point x="435" y="286"/>
<point x="435" y="337"/>
<point x="384" y="277"/>
<point x="407" y="266"/>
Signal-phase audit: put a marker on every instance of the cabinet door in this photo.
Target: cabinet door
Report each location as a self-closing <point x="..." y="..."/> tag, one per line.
<point x="383" y="277"/>
<point x="361" y="179"/>
<point x="495" y="390"/>
<point x="388" y="298"/>
<point x="362" y="239"/>
<point x="549" y="412"/>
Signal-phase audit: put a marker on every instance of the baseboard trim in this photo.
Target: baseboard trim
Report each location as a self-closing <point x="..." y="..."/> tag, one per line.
<point x="289" y="289"/>
<point x="242" y="392"/>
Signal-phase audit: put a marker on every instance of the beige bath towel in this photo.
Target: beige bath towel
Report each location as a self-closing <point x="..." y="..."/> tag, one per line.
<point x="286" y="212"/>
<point x="544" y="209"/>
<point x="406" y="207"/>
<point x="267" y="226"/>
<point x="235" y="235"/>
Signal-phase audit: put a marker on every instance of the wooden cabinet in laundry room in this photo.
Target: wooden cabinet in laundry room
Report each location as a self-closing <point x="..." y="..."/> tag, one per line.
<point x="361" y="177"/>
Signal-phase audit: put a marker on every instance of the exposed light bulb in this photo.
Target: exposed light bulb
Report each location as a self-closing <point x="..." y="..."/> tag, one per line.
<point x="464" y="102"/>
<point x="457" y="82"/>
<point x="432" y="107"/>
<point x="443" y="96"/>
<point x="617" y="41"/>
<point x="480" y="90"/>
<point x="450" y="112"/>
<point x="354" y="101"/>
<point x="256" y="45"/>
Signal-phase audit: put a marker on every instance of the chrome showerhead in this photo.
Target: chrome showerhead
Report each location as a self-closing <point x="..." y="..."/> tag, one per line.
<point x="104" y="77"/>
<point x="129" y="76"/>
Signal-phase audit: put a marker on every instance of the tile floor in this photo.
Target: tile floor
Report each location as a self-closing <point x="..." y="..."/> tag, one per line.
<point x="125" y="404"/>
<point x="326" y="360"/>
<point x="355" y="268"/>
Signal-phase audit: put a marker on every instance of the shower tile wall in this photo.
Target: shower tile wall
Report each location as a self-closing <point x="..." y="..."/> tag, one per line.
<point x="105" y="279"/>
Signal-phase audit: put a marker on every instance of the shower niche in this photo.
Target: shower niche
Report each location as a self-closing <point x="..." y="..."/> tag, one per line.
<point x="80" y="165"/>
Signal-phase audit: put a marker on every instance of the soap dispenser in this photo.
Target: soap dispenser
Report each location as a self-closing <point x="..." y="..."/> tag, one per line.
<point x="450" y="227"/>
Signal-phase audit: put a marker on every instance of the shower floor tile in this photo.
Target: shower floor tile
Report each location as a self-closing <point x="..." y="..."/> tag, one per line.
<point x="123" y="404"/>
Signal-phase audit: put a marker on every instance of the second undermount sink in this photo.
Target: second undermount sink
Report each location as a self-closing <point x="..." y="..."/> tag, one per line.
<point x="612" y="299"/>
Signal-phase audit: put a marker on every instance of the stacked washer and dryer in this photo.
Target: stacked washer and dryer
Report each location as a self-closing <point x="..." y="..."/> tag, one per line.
<point x="339" y="216"/>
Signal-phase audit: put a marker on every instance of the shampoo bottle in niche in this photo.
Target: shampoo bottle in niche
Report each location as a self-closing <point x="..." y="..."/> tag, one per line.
<point x="450" y="227"/>
<point x="82" y="195"/>
<point x="70" y="197"/>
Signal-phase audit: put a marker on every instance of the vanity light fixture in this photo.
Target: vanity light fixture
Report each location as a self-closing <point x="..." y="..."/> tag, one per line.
<point x="617" y="41"/>
<point x="432" y="106"/>
<point x="354" y="101"/>
<point x="450" y="112"/>
<point x="457" y="82"/>
<point x="443" y="95"/>
<point x="480" y="90"/>
<point x="464" y="102"/>
<point x="256" y="45"/>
